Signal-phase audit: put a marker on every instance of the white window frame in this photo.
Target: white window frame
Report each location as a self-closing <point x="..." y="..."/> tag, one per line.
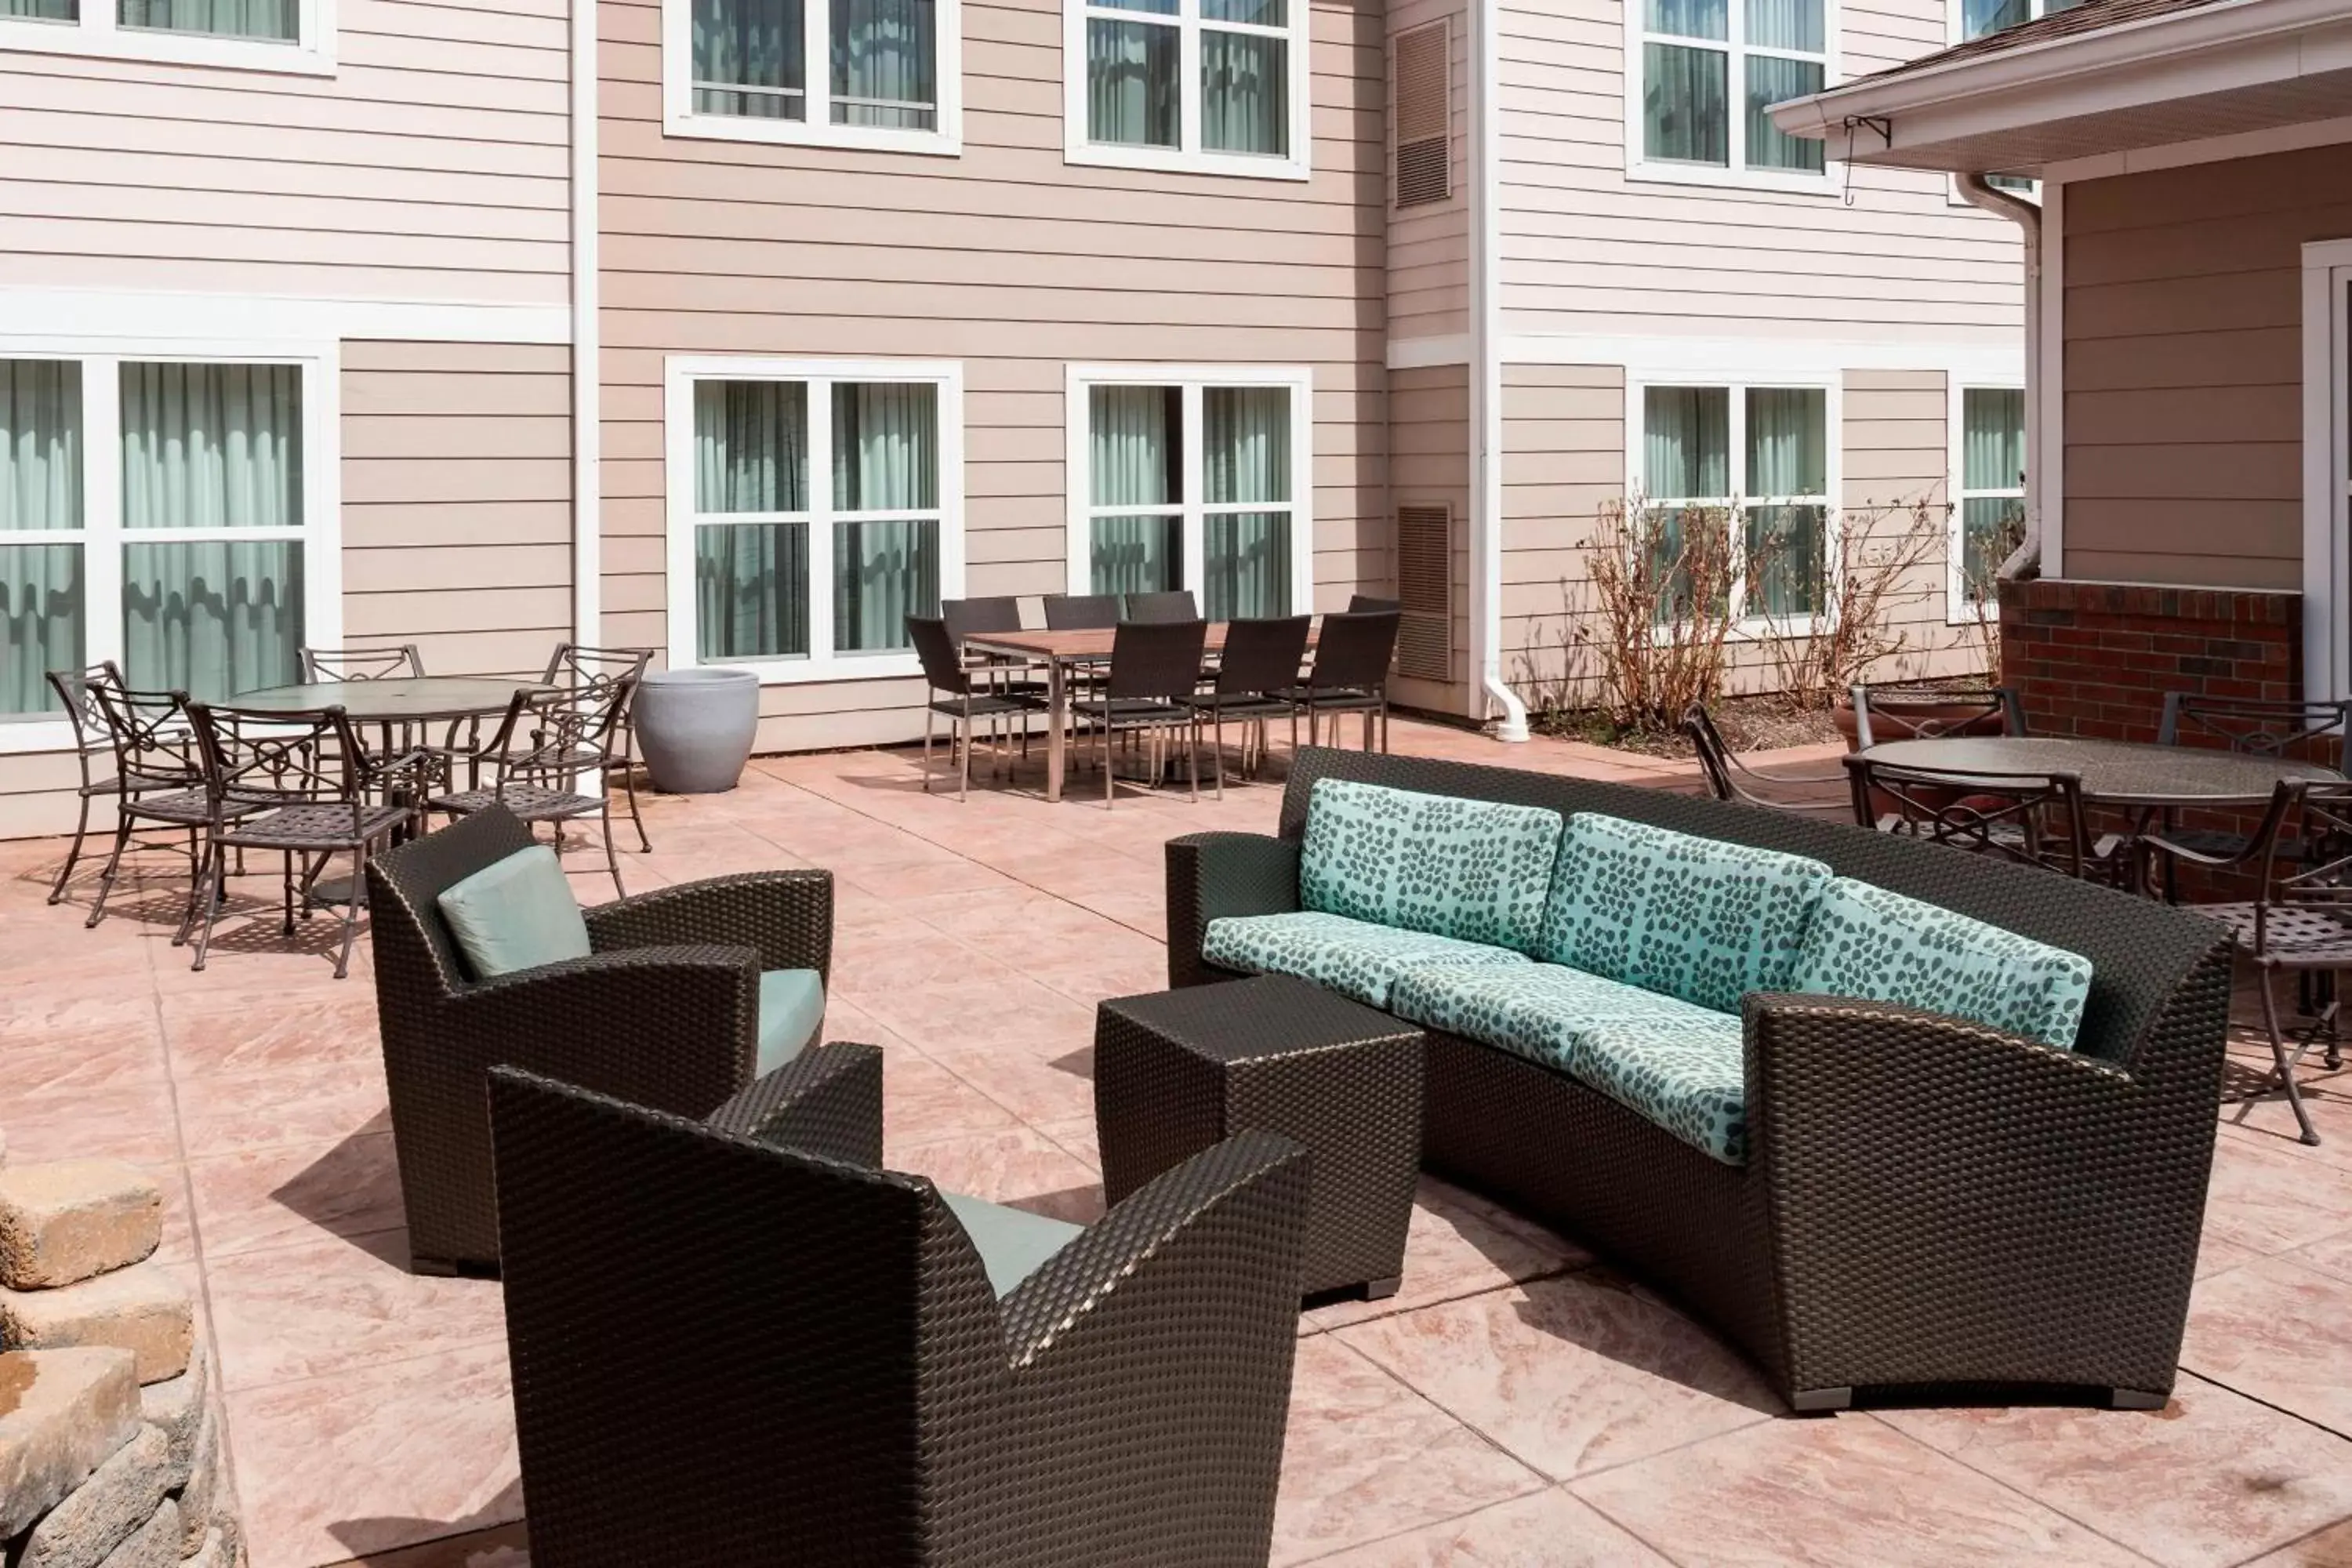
<point x="1188" y="157"/>
<point x="102" y="536"/>
<point x="945" y="139"/>
<point x="98" y="36"/>
<point x="1192" y="379"/>
<point x="1832" y="385"/>
<point x="1959" y="609"/>
<point x="1640" y="166"/>
<point x="823" y="662"/>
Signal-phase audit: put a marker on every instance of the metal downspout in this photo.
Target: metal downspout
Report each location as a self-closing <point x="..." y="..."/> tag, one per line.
<point x="1487" y="385"/>
<point x="2025" y="561"/>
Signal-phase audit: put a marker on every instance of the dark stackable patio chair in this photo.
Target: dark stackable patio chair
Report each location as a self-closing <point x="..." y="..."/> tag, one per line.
<point x="1350" y="675"/>
<point x="664" y="1012"/>
<point x="302" y="785"/>
<point x="1728" y="778"/>
<point x="600" y="671"/>
<point x="965" y="702"/>
<point x="2318" y="732"/>
<point x="547" y="744"/>
<point x="1370" y="604"/>
<point x="1154" y="666"/>
<point x="1260" y="658"/>
<point x="1006" y="675"/>
<point x="1175" y="604"/>
<point x="808" y="1359"/>
<point x="1911" y="712"/>
<point x="93" y="746"/>
<point x="1081" y="611"/>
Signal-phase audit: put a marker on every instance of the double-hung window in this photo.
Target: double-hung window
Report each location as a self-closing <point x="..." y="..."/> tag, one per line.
<point x="160" y="513"/>
<point x="813" y="506"/>
<point x="1211" y="86"/>
<point x="1775" y="495"/>
<point x="1989" y="462"/>
<point x="258" y="34"/>
<point x="849" y="73"/>
<point x="1710" y="71"/>
<point x="1196" y="481"/>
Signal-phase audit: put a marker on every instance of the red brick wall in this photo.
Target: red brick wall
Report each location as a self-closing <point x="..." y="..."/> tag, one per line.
<point x="2097" y="658"/>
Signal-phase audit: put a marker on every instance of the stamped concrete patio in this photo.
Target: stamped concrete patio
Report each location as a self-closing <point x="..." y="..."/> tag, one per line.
<point x="1517" y="1403"/>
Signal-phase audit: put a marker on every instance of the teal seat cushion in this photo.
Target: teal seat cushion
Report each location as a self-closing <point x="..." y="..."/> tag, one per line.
<point x="1012" y="1243"/>
<point x="1539" y="1011"/>
<point x="1355" y="958"/>
<point x="515" y="913"/>
<point x="1474" y="870"/>
<point x="1883" y="947"/>
<point x="792" y="1008"/>
<point x="1687" y="1075"/>
<point x="1694" y="918"/>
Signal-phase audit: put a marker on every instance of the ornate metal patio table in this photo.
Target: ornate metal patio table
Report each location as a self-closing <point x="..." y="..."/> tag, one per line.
<point x="2113" y="772"/>
<point x="403" y="700"/>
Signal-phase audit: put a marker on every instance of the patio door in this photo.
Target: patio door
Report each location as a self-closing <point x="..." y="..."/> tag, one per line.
<point x="2327" y="468"/>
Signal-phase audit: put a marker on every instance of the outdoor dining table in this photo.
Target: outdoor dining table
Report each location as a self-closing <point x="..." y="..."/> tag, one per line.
<point x="1062" y="653"/>
<point x="2126" y="774"/>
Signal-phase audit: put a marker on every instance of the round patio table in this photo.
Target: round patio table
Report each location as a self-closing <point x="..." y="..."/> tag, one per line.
<point x="2113" y="772"/>
<point x="423" y="698"/>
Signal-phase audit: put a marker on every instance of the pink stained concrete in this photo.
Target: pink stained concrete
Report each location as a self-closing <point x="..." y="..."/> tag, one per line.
<point x="1515" y="1403"/>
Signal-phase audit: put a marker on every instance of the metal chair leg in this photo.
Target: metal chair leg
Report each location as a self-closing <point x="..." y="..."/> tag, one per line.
<point x="629" y="783"/>
<point x="2285" y="1066"/>
<point x="352" y="904"/>
<point x="611" y="861"/>
<point x="1217" y="751"/>
<point x="106" y="878"/>
<point x="65" y="872"/>
<point x="1192" y="761"/>
<point x="209" y="881"/>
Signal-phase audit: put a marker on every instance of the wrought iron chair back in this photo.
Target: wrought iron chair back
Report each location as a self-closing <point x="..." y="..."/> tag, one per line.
<point x="551" y="738"/>
<point x="580" y="668"/>
<point x="1728" y="778"/>
<point x="2258" y="729"/>
<point x="153" y="746"/>
<point x="1879" y="715"/>
<point x="2032" y="819"/>
<point x="279" y="759"/>
<point x="92" y="741"/>
<point x="326" y="666"/>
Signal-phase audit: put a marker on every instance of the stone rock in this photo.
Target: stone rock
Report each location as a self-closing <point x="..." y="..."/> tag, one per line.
<point x="120" y="1496"/>
<point x="201" y="1498"/>
<point x="63" y="1412"/>
<point x="141" y="1310"/>
<point x="176" y="1407"/>
<point x="212" y="1553"/>
<point x="62" y="1223"/>
<point x="155" y="1544"/>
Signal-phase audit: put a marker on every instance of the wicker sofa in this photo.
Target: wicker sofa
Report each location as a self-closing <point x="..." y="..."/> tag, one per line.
<point x="1924" y="1208"/>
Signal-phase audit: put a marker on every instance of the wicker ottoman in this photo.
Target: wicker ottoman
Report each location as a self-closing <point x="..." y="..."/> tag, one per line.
<point x="1177" y="1071"/>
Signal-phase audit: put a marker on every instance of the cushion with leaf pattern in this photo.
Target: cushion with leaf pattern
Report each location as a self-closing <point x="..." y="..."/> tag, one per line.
<point x="1476" y="871"/>
<point x="1694" y="918"/>
<point x="1355" y="958"/>
<point x="1880" y="946"/>
<point x="1538" y="1011"/>
<point x="1688" y="1077"/>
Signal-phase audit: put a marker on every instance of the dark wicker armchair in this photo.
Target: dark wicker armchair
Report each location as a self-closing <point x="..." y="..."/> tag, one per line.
<point x="664" y="1013"/>
<point x="1929" y="1209"/>
<point x="743" y="1343"/>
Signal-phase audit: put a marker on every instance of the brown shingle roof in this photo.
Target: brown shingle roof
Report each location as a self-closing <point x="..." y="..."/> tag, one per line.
<point x="2092" y="16"/>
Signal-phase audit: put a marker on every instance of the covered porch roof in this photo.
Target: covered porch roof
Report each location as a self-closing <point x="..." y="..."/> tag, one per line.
<point x="2107" y="77"/>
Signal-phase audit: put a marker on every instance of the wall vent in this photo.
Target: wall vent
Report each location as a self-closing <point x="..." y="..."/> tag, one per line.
<point x="1421" y="64"/>
<point x="1424" y="577"/>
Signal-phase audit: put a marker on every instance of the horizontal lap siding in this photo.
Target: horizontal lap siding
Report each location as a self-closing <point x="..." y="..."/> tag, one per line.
<point x="2184" y="367"/>
<point x="1563" y="461"/>
<point x="1006" y="259"/>
<point x="431" y="166"/>
<point x="1894" y="461"/>
<point x="1429" y="245"/>
<point x="1429" y="464"/>
<point x="458" y="502"/>
<point x="1587" y="250"/>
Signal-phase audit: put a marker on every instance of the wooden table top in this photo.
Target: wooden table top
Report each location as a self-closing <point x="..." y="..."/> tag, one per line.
<point x="1071" y="646"/>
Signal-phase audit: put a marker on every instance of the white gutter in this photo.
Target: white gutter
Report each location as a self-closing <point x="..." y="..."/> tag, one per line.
<point x="587" y="400"/>
<point x="1486" y="368"/>
<point x="2025" y="561"/>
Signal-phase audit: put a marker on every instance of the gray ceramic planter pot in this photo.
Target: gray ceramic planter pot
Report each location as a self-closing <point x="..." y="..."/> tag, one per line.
<point x="695" y="727"/>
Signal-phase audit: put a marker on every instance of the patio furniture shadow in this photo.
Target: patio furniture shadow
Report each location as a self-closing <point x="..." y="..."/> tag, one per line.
<point x="492" y="1536"/>
<point x="353" y="1191"/>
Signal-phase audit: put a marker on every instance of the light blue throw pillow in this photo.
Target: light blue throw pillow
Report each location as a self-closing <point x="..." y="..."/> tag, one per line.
<point x="515" y="913"/>
<point x="1695" y="918"/>
<point x="1883" y="947"/>
<point x="1476" y="870"/>
<point x="792" y="1008"/>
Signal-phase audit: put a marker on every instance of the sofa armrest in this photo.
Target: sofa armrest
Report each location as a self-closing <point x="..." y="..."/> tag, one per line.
<point x="825" y="1102"/>
<point x="1213" y="875"/>
<point x="785" y="916"/>
<point x="1933" y="1178"/>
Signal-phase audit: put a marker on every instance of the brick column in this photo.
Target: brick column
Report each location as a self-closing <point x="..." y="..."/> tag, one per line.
<point x="2097" y="658"/>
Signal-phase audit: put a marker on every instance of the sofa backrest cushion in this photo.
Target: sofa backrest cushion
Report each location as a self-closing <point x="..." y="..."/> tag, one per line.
<point x="515" y="913"/>
<point x="1866" y="942"/>
<point x="1700" y="919"/>
<point x="1476" y="870"/>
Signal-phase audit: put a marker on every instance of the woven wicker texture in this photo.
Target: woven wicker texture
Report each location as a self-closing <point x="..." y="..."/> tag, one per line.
<point x="1926" y="1204"/>
<point x="1177" y="1071"/>
<point x="727" y="1353"/>
<point x="665" y="1013"/>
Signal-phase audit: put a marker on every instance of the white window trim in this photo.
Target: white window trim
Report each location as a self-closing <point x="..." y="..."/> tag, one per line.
<point x="1639" y="167"/>
<point x="823" y="662"/>
<point x="1188" y="158"/>
<point x="944" y="140"/>
<point x="1832" y="384"/>
<point x="1957" y="610"/>
<point x="1193" y="380"/>
<point x="98" y="36"/>
<point x="103" y="535"/>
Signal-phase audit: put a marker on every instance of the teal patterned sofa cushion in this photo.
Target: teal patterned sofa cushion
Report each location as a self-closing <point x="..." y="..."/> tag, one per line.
<point x="1355" y="958"/>
<point x="1539" y="1011"/>
<point x="1474" y="869"/>
<point x="1693" y="918"/>
<point x="1687" y="1075"/>
<point x="1883" y="947"/>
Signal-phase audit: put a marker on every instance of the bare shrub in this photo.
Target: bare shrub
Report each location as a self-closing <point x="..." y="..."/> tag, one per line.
<point x="1880" y="554"/>
<point x="1652" y="642"/>
<point x="1980" y="580"/>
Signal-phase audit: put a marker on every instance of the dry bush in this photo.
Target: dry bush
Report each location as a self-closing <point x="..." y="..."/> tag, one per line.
<point x="1652" y="641"/>
<point x="1880" y="554"/>
<point x="1980" y="580"/>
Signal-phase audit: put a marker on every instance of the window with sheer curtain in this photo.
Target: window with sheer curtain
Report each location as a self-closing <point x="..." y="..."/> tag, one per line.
<point x="815" y="517"/>
<point x="191" y="574"/>
<point x="1760" y="455"/>
<point x="1192" y="486"/>
<point x="1213" y="84"/>
<point x="1711" y="72"/>
<point x="286" y="35"/>
<point x="1991" y="513"/>
<point x="847" y="71"/>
